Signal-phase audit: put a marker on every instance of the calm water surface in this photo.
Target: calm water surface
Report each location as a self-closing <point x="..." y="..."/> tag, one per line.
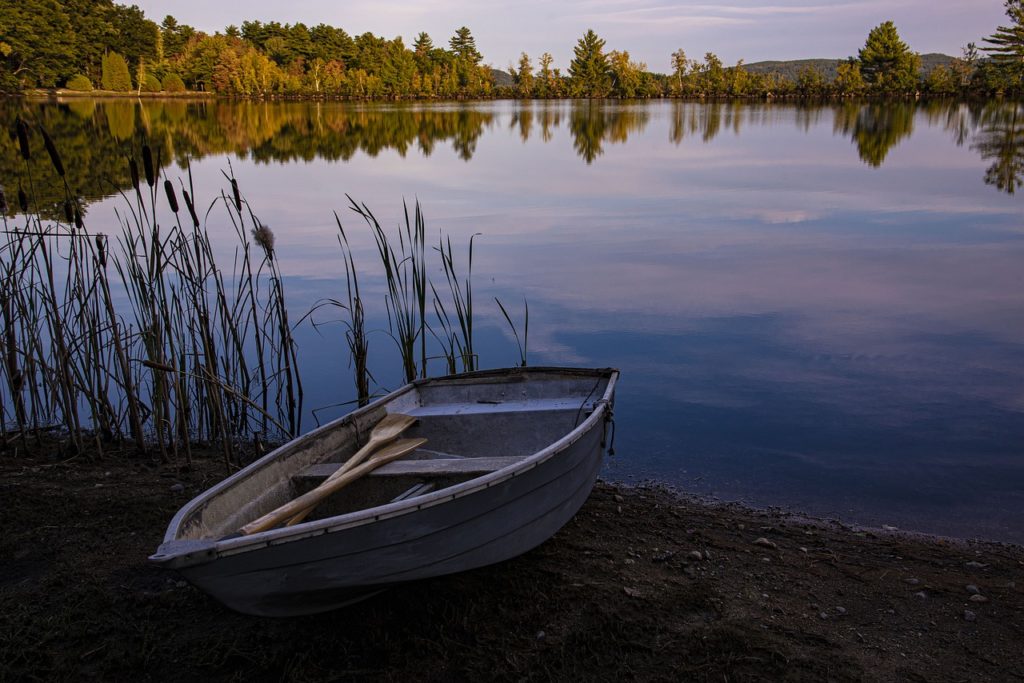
<point x="816" y="308"/>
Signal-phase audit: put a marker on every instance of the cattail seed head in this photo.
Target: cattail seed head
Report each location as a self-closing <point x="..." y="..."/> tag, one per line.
<point x="101" y="249"/>
<point x="51" y="149"/>
<point x="147" y="165"/>
<point x="3" y="202"/>
<point x="264" y="237"/>
<point x="79" y="223"/>
<point x="22" y="199"/>
<point x="237" y="194"/>
<point x="69" y="212"/>
<point x="191" y="208"/>
<point x="133" y="169"/>
<point x="22" y="130"/>
<point x="172" y="198"/>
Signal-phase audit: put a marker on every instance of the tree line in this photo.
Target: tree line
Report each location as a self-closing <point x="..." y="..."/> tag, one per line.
<point x="86" y="44"/>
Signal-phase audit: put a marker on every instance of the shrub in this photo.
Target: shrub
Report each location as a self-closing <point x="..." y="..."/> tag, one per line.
<point x="80" y="83"/>
<point x="173" y="83"/>
<point x="151" y="84"/>
<point x="115" y="73"/>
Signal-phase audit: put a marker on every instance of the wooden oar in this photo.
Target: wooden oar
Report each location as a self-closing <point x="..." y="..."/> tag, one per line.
<point x="390" y="452"/>
<point x="383" y="433"/>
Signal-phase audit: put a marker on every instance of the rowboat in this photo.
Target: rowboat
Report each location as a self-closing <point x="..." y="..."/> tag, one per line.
<point x="509" y="458"/>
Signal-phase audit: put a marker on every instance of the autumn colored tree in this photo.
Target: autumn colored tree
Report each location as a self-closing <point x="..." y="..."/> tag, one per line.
<point x="626" y="75"/>
<point x="523" y="76"/>
<point x="810" y="82"/>
<point x="679" y="66"/>
<point x="848" y="80"/>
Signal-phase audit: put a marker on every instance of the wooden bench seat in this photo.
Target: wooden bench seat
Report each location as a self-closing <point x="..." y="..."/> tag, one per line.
<point x="438" y="467"/>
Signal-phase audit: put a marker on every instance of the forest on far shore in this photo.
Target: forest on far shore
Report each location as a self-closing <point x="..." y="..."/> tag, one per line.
<point x="82" y="45"/>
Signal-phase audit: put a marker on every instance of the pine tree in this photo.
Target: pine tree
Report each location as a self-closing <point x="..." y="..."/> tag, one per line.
<point x="423" y="44"/>
<point x="464" y="46"/>
<point x="589" y="68"/>
<point x="1007" y="43"/>
<point x="887" y="63"/>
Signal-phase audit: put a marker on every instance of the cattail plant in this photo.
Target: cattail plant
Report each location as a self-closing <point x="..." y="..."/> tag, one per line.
<point x="521" y="345"/>
<point x="406" y="279"/>
<point x="462" y="302"/>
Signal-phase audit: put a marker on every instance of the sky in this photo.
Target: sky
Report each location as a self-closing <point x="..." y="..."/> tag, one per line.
<point x="650" y="30"/>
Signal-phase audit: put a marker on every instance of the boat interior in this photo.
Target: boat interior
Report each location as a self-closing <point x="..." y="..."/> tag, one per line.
<point x="472" y="428"/>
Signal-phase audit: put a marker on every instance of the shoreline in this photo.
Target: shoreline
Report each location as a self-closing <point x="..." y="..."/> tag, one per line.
<point x="57" y="94"/>
<point x="800" y="516"/>
<point x="643" y="583"/>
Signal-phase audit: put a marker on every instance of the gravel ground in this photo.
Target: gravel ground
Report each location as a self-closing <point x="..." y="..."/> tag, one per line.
<point x="642" y="585"/>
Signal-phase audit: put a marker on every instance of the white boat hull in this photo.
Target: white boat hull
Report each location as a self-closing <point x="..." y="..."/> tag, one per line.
<point x="325" y="564"/>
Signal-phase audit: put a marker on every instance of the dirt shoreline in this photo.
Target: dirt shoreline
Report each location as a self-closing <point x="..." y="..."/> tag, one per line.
<point x="643" y="584"/>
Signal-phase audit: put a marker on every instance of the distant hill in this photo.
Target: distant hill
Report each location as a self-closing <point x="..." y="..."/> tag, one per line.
<point x="502" y="79"/>
<point x="790" y="69"/>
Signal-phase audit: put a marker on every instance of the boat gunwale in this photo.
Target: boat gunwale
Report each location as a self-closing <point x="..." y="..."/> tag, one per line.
<point x="182" y="553"/>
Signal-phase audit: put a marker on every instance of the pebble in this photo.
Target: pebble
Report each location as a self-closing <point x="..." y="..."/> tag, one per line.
<point x="541" y="635"/>
<point x="972" y="589"/>
<point x="694" y="555"/>
<point x="765" y="542"/>
<point x="913" y="582"/>
<point x="180" y="584"/>
<point x="975" y="565"/>
<point x="823" y="615"/>
<point x="841" y="611"/>
<point x="969" y="615"/>
<point x="887" y="527"/>
<point x="632" y="592"/>
<point x="921" y="595"/>
<point x="177" y="488"/>
<point x="619" y="499"/>
<point x="629" y="560"/>
<point x="978" y="598"/>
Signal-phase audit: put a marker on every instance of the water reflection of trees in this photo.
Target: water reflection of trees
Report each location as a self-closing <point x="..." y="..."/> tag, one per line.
<point x="1000" y="139"/>
<point x="875" y="128"/>
<point x="593" y="123"/>
<point x="95" y="136"/>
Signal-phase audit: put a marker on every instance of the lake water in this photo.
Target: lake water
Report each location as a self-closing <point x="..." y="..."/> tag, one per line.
<point x="820" y="308"/>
